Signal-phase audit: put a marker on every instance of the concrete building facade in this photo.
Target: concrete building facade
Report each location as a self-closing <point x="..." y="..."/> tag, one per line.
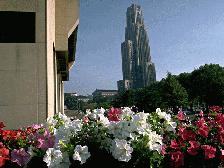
<point x="37" y="50"/>
<point x="137" y="66"/>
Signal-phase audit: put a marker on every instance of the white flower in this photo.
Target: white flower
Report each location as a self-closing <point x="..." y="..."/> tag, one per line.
<point x="121" y="150"/>
<point x="163" y="115"/>
<point x="75" y="125"/>
<point x="140" y="117"/>
<point x="127" y="113"/>
<point x="64" y="117"/>
<point x="65" y="161"/>
<point x="155" y="147"/>
<point x="30" y="151"/>
<point x="92" y="116"/>
<point x="104" y="120"/>
<point x="171" y="126"/>
<point x="155" y="141"/>
<point x="88" y="111"/>
<point x="52" y="157"/>
<point x="122" y="129"/>
<point x="158" y="110"/>
<point x="81" y="153"/>
<point x="99" y="111"/>
<point x="51" y="121"/>
<point x="62" y="134"/>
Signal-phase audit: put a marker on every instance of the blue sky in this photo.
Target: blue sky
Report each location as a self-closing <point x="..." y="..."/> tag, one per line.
<point x="183" y="35"/>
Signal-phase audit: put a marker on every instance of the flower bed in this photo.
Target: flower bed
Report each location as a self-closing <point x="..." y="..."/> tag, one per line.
<point x="198" y="142"/>
<point x="121" y="137"/>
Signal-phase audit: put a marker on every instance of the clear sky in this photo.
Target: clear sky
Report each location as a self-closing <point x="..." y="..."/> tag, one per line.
<point x="183" y="35"/>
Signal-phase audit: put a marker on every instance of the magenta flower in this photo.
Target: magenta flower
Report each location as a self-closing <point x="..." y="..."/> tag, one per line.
<point x="20" y="156"/>
<point x="181" y="116"/>
<point x="44" y="140"/>
<point x="114" y="114"/>
<point x="37" y="126"/>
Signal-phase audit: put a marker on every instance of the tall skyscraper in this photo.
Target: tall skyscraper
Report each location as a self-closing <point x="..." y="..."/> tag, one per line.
<point x="137" y="67"/>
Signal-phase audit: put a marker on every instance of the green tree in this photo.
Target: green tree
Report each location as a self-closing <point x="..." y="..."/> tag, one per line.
<point x="173" y="94"/>
<point x="71" y="102"/>
<point x="149" y="98"/>
<point x="124" y="99"/>
<point x="208" y="84"/>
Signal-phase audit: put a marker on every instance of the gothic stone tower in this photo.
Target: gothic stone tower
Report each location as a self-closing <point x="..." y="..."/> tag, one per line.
<point x="137" y="66"/>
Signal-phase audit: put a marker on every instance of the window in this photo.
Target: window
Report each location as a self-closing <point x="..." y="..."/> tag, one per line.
<point x="17" y="27"/>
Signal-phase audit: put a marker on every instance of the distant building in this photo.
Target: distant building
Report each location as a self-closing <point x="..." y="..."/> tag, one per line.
<point x="83" y="98"/>
<point x="137" y="66"/>
<point x="72" y="94"/>
<point x="104" y="93"/>
<point x="37" y="50"/>
<point x="124" y="85"/>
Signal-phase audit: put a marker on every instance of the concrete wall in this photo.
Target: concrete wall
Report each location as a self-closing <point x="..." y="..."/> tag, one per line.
<point x="67" y="19"/>
<point x="23" y="72"/>
<point x="31" y="88"/>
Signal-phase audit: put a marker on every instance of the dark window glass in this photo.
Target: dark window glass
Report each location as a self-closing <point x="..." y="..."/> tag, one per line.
<point x="17" y="27"/>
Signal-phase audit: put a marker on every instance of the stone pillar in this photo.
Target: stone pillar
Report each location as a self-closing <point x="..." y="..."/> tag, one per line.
<point x="62" y="97"/>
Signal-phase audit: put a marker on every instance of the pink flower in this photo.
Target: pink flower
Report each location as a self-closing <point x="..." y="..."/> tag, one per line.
<point x="85" y="119"/>
<point x="201" y="114"/>
<point x="44" y="140"/>
<point x="203" y="131"/>
<point x="209" y="151"/>
<point x="20" y="156"/>
<point x="181" y="116"/>
<point x="177" y="158"/>
<point x="114" y="114"/>
<point x="192" y="150"/>
<point x="163" y="150"/>
<point x="186" y="134"/>
<point x="37" y="126"/>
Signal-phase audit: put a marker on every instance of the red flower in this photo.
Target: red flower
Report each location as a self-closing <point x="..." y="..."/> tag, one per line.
<point x="4" y="155"/>
<point x="2" y="125"/>
<point x="114" y="114"/>
<point x="200" y="122"/>
<point x="221" y="136"/>
<point x="216" y="109"/>
<point x="181" y="116"/>
<point x="177" y="158"/>
<point x="186" y="134"/>
<point x="192" y="150"/>
<point x="209" y="151"/>
<point x="219" y="119"/>
<point x="203" y="131"/>
<point x="174" y="144"/>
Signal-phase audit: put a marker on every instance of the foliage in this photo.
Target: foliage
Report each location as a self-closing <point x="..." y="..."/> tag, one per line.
<point x="208" y="84"/>
<point x="173" y="94"/>
<point x="71" y="102"/>
<point x="199" y="89"/>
